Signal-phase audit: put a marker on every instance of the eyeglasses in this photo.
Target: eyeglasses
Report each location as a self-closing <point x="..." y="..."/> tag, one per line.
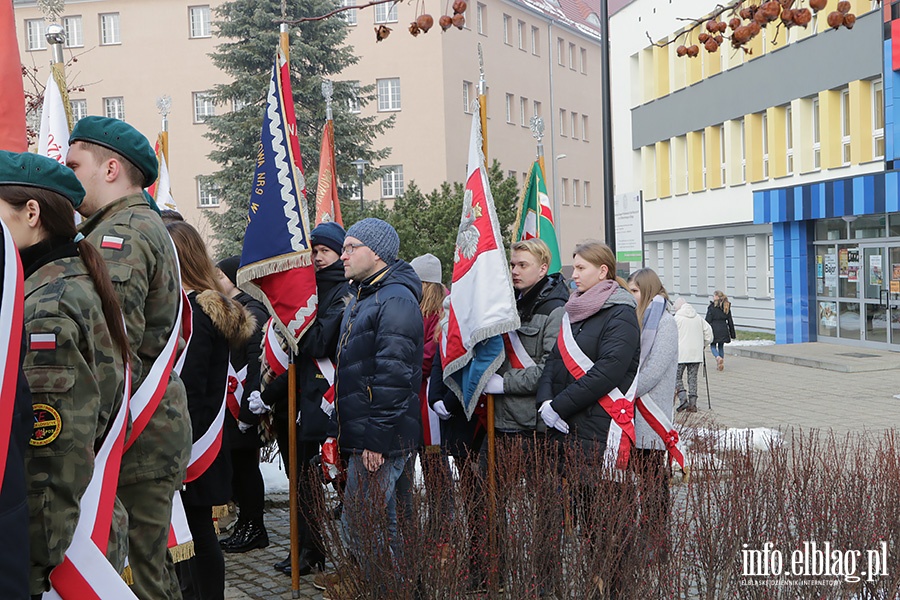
<point x="349" y="248"/>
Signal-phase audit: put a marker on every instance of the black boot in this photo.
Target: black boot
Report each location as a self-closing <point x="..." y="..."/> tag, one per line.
<point x="309" y="559"/>
<point x="237" y="534"/>
<point x="254" y="537"/>
<point x="284" y="564"/>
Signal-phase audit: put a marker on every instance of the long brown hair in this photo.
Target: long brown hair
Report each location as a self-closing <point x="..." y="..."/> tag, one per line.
<point x="648" y="282"/>
<point x="599" y="254"/>
<point x="721" y="301"/>
<point x="197" y="270"/>
<point x="58" y="220"/>
<point x="432" y="303"/>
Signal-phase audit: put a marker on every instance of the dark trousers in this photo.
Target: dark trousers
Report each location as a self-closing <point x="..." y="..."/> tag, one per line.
<point x="247" y="484"/>
<point x="311" y="499"/>
<point x="207" y="567"/>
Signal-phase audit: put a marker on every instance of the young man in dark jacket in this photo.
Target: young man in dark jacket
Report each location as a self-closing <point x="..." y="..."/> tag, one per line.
<point x="379" y="371"/>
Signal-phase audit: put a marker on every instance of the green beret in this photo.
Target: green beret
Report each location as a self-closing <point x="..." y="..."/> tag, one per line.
<point x="33" y="170"/>
<point x="119" y="137"/>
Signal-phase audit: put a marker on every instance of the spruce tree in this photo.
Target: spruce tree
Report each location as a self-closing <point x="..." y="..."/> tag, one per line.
<point x="318" y="51"/>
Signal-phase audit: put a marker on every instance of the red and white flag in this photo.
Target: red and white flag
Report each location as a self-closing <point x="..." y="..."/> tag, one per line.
<point x="12" y="100"/>
<point x="53" y="140"/>
<point x="11" y="318"/>
<point x="482" y="301"/>
<point x="161" y="190"/>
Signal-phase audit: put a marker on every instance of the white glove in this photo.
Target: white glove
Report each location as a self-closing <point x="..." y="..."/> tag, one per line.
<point x="257" y="406"/>
<point x="441" y="410"/>
<point x="551" y="418"/>
<point x="494" y="385"/>
<point x="245" y="427"/>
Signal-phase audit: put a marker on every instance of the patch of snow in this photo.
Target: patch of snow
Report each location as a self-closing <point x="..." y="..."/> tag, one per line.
<point x="274" y="475"/>
<point x="760" y="438"/>
<point x="752" y="343"/>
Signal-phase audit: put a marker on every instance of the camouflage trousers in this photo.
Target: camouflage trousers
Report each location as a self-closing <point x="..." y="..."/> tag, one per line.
<point x="149" y="506"/>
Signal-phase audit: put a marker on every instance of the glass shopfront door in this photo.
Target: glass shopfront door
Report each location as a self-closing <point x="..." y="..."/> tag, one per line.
<point x="879" y="288"/>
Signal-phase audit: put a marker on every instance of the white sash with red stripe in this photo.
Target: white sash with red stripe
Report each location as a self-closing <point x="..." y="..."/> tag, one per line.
<point x="620" y="406"/>
<point x="146" y="399"/>
<point x="276" y="357"/>
<point x="179" y="531"/>
<point x="85" y="573"/>
<point x="206" y="448"/>
<point x="235" y="390"/>
<point x="326" y="368"/>
<point x="11" y="315"/>
<point x="515" y="351"/>
<point x="664" y="428"/>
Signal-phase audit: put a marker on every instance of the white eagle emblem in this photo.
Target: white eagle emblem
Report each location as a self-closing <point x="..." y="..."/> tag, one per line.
<point x="467" y="238"/>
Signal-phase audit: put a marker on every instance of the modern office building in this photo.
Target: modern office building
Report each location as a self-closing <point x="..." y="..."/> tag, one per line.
<point x="541" y="57"/>
<point x="769" y="174"/>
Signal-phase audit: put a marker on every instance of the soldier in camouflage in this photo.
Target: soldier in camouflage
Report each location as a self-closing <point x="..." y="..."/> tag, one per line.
<point x="75" y="355"/>
<point x="115" y="162"/>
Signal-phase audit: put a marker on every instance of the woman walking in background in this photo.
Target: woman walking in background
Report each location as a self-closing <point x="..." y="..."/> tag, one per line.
<point x="718" y="315"/>
<point x="217" y="323"/>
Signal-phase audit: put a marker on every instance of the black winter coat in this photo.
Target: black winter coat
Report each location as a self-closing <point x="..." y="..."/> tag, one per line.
<point x="721" y="323"/>
<point x="612" y="339"/>
<point x="460" y="437"/>
<point x="379" y="365"/>
<point x="13" y="506"/>
<point x="319" y="341"/>
<point x="247" y="354"/>
<point x="217" y="324"/>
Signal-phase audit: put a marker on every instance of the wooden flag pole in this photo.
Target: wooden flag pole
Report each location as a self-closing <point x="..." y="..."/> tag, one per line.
<point x="293" y="467"/>
<point x="493" y="575"/>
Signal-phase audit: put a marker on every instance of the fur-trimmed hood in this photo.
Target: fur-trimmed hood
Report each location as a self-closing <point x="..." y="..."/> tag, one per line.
<point x="228" y="316"/>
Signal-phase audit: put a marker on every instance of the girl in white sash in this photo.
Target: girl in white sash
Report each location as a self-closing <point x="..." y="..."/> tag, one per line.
<point x="656" y="389"/>
<point x="217" y="323"/>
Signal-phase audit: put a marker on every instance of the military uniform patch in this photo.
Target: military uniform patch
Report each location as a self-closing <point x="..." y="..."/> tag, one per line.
<point x="112" y="242"/>
<point x="47" y="425"/>
<point x="42" y="341"/>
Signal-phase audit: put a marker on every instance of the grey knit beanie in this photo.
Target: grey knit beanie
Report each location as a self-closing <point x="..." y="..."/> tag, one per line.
<point x="427" y="267"/>
<point x="379" y="236"/>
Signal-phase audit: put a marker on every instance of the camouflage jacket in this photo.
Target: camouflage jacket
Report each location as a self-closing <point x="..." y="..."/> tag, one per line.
<point x="77" y="380"/>
<point x="141" y="261"/>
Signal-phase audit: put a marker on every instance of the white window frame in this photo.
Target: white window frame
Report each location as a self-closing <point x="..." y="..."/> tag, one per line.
<point x="520" y="33"/>
<point x="386" y="13"/>
<point x="789" y="139"/>
<point x="765" y="144"/>
<point x="703" y="158"/>
<point x="207" y="193"/>
<point x="467" y="97"/>
<point x="392" y="182"/>
<point x="114" y="107"/>
<point x="388" y="93"/>
<point x="536" y="109"/>
<point x="817" y="135"/>
<point x="845" y="127"/>
<point x="200" y="21"/>
<point x="743" y="150"/>
<point x="535" y="41"/>
<point x="524" y="121"/>
<point x="203" y="106"/>
<point x="79" y="109"/>
<point x="584" y="61"/>
<point x="571" y="56"/>
<point x="723" y="166"/>
<point x="562" y="122"/>
<point x="573" y="119"/>
<point x="507" y="25"/>
<point x="584" y="129"/>
<point x="350" y="16"/>
<point x="509" y="102"/>
<point x="586" y="197"/>
<point x="560" y="48"/>
<point x="877" y="107"/>
<point x="353" y="104"/>
<point x="480" y="10"/>
<point x="575" y="184"/>
<point x="34" y="34"/>
<point x="110" y="29"/>
<point x="74" y="30"/>
<point x="564" y="183"/>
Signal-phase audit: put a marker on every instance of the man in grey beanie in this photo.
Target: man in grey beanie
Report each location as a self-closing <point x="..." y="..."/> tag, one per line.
<point x="379" y="370"/>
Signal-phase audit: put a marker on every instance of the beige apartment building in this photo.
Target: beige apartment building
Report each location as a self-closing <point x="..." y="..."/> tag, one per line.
<point x="541" y="57"/>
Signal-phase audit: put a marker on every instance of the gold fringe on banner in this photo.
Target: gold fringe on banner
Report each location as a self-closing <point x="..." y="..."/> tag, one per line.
<point x="182" y="551"/>
<point x="220" y="511"/>
<point x="127" y="576"/>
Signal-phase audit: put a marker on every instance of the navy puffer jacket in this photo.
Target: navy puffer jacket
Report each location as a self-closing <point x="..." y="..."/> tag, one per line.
<point x="379" y="364"/>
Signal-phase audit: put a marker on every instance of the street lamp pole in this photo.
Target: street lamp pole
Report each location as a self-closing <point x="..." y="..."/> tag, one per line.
<point x="609" y="201"/>
<point x="360" y="171"/>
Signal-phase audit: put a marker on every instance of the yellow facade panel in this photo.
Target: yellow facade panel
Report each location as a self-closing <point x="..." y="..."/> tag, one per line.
<point x="753" y="135"/>
<point x="661" y="68"/>
<point x="775" y="116"/>
<point x="860" y="121"/>
<point x="663" y="176"/>
<point x="713" y="157"/>
<point x="695" y="161"/>
<point x="830" y="128"/>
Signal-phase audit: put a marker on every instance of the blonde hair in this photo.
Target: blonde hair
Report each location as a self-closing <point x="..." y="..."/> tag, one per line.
<point x="722" y="301"/>
<point x="432" y="298"/>
<point x="599" y="255"/>
<point x="648" y="282"/>
<point x="537" y="247"/>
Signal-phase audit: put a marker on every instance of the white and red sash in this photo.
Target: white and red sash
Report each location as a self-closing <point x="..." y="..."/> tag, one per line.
<point x="663" y="426"/>
<point x="326" y="368"/>
<point x="205" y="450"/>
<point x="515" y="351"/>
<point x="235" y="390"/>
<point x="11" y="318"/>
<point x="276" y="357"/>
<point x="620" y="406"/>
<point x="145" y="400"/>
<point x="85" y="573"/>
<point x="187" y="330"/>
<point x="179" y="531"/>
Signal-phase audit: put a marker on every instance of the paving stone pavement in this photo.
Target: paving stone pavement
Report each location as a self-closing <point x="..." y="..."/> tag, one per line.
<point x="751" y="392"/>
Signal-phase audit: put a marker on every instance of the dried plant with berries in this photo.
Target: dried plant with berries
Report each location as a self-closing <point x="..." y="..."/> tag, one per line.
<point x="422" y="24"/>
<point x="742" y="20"/>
